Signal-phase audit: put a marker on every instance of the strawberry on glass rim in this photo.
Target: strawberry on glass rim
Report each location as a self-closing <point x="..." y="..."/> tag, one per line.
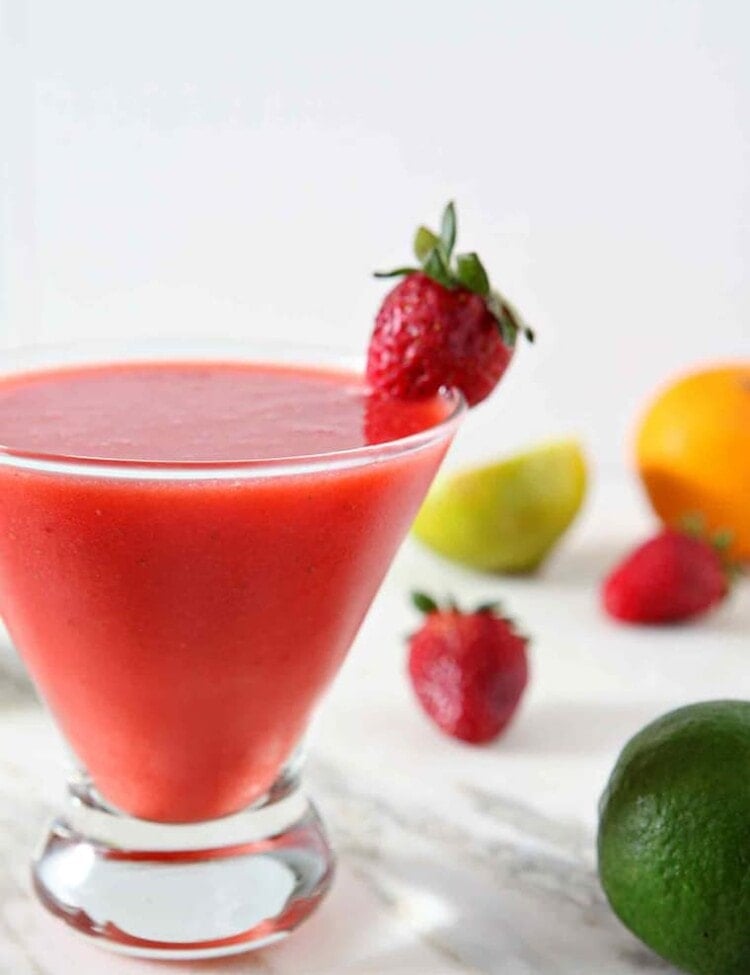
<point x="443" y="325"/>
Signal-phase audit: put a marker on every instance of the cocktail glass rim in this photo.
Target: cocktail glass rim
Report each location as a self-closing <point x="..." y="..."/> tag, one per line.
<point x="40" y="357"/>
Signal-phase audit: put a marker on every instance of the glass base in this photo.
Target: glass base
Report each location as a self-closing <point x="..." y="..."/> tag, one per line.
<point x="198" y="890"/>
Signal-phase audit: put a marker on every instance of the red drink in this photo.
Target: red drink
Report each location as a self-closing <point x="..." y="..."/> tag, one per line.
<point x="182" y="610"/>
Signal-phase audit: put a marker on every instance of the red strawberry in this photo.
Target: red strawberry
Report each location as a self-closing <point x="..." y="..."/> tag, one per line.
<point x="442" y="325"/>
<point x="671" y="577"/>
<point x="468" y="670"/>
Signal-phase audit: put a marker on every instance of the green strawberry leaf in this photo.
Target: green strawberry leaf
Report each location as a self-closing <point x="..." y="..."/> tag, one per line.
<point x="722" y="539"/>
<point x="435" y="255"/>
<point x="448" y="230"/>
<point x="516" y="321"/>
<point x="693" y="524"/>
<point x="424" y="603"/>
<point x="395" y="273"/>
<point x="505" y="325"/>
<point x="424" y="242"/>
<point x="472" y="275"/>
<point x="509" y="322"/>
<point x="490" y="607"/>
<point x="508" y="333"/>
<point x="436" y="268"/>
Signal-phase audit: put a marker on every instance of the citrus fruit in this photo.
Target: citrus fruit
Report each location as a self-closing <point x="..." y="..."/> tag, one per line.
<point x="507" y="516"/>
<point x="693" y="451"/>
<point x="674" y="837"/>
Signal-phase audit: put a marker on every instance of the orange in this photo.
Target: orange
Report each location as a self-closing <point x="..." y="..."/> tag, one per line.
<point x="693" y="451"/>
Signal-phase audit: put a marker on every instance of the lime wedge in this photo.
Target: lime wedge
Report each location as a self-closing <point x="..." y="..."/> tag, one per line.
<point x="507" y="516"/>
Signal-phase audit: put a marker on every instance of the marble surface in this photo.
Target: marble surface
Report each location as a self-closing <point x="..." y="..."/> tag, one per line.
<point x="452" y="860"/>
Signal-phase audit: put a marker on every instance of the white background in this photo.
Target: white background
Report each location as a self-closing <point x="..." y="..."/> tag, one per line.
<point x="231" y="167"/>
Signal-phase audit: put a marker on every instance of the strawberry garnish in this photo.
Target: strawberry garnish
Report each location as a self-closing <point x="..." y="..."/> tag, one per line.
<point x="443" y="325"/>
<point x="468" y="670"/>
<point x="674" y="576"/>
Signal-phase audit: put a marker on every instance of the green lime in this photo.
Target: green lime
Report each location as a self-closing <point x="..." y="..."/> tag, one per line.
<point x="674" y="837"/>
<point x="506" y="516"/>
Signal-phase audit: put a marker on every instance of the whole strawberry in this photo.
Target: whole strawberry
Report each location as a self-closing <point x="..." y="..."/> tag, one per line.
<point x="468" y="670"/>
<point x="442" y="326"/>
<point x="672" y="577"/>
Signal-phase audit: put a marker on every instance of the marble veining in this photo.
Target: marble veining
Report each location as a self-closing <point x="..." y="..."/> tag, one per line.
<point x="440" y="890"/>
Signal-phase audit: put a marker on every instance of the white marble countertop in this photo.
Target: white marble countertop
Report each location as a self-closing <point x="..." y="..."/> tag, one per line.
<point x="452" y="859"/>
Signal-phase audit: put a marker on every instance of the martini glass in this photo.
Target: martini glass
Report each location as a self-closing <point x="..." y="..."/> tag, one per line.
<point x="181" y="621"/>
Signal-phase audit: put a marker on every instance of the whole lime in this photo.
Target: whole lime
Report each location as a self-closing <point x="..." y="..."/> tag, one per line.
<point x="674" y="837"/>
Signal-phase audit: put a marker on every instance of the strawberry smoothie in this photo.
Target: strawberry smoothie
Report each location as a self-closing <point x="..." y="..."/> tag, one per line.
<point x="182" y="616"/>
